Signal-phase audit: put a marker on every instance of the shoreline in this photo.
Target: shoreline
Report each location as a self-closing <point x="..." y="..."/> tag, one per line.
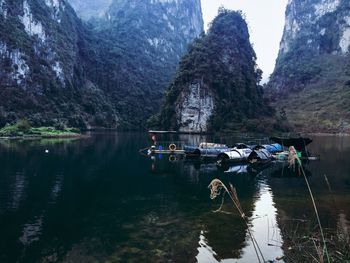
<point x="40" y="137"/>
<point x="328" y="134"/>
<point x="68" y="136"/>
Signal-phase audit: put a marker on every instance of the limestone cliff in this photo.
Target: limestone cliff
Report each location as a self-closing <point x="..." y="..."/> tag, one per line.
<point x="216" y="86"/>
<point x="195" y="107"/>
<point x="109" y="72"/>
<point x="141" y="43"/>
<point x="42" y="67"/>
<point x="311" y="79"/>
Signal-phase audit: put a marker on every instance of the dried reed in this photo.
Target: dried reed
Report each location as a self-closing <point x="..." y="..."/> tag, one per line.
<point x="216" y="189"/>
<point x="293" y="159"/>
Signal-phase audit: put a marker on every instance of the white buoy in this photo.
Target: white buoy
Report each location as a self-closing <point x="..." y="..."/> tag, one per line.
<point x="46" y="151"/>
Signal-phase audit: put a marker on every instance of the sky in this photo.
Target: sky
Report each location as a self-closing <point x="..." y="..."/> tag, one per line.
<point x="265" y="20"/>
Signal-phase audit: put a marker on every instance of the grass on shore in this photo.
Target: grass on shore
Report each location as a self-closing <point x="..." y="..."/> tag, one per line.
<point x="322" y="105"/>
<point x="23" y="129"/>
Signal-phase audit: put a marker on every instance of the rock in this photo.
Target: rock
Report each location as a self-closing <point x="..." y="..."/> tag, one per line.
<point x="311" y="72"/>
<point x="216" y="85"/>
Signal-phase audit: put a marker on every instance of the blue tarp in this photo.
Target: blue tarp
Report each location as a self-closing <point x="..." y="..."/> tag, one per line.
<point x="273" y="148"/>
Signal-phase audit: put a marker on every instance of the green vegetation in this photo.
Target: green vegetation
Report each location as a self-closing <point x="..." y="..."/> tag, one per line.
<point x="301" y="236"/>
<point x="128" y="66"/>
<point x="42" y="97"/>
<point x="23" y="129"/>
<point x="225" y="62"/>
<point x="310" y="84"/>
<point x="112" y="76"/>
<point x="322" y="104"/>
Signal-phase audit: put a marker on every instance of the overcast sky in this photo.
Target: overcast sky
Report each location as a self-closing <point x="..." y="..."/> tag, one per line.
<point x="265" y="20"/>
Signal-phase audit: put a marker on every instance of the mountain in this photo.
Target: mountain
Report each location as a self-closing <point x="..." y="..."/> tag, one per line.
<point x="140" y="44"/>
<point x="42" y="73"/>
<point x="216" y="85"/>
<point x="110" y="71"/>
<point x="90" y="9"/>
<point x="310" y="85"/>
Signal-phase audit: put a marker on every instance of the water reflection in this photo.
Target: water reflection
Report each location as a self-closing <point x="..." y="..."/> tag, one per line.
<point x="97" y="199"/>
<point x="32" y="231"/>
<point x="18" y="189"/>
<point x="264" y="228"/>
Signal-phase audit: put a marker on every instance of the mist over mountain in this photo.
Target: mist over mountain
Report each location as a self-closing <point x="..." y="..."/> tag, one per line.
<point x="88" y="9"/>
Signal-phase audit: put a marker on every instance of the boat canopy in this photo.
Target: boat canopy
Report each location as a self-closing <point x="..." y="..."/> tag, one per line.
<point x="299" y="143"/>
<point x="260" y="155"/>
<point x="272" y="148"/>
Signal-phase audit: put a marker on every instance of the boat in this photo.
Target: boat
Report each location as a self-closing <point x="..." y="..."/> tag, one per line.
<point x="164" y="147"/>
<point x="299" y="143"/>
<point x="234" y="155"/>
<point x="260" y="155"/>
<point x="254" y="154"/>
<point x="205" y="149"/>
<point x="272" y="148"/>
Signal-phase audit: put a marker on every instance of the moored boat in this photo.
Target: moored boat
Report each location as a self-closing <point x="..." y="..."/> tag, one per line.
<point x="205" y="149"/>
<point x="254" y="154"/>
<point x="272" y="148"/>
<point x="299" y="143"/>
<point x="234" y="155"/>
<point x="260" y="155"/>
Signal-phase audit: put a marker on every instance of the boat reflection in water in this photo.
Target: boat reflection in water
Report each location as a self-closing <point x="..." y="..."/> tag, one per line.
<point x="276" y="201"/>
<point x="261" y="212"/>
<point x="97" y="200"/>
<point x="265" y="230"/>
<point x="232" y="242"/>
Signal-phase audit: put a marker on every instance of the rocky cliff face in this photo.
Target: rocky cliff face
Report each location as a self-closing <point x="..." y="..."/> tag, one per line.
<point x="167" y="26"/>
<point x="216" y="85"/>
<point x="195" y="107"/>
<point x="35" y="32"/>
<point x="42" y="70"/>
<point x="111" y="72"/>
<point x="141" y="43"/>
<point x="313" y="28"/>
<point x="311" y="77"/>
<point x="308" y="19"/>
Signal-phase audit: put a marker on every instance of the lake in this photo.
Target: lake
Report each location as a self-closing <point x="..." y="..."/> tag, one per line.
<point x="98" y="199"/>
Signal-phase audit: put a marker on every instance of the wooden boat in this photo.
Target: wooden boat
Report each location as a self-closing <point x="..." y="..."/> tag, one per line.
<point x="164" y="148"/>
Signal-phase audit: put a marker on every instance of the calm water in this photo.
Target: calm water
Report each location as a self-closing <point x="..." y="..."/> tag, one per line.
<point x="99" y="200"/>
